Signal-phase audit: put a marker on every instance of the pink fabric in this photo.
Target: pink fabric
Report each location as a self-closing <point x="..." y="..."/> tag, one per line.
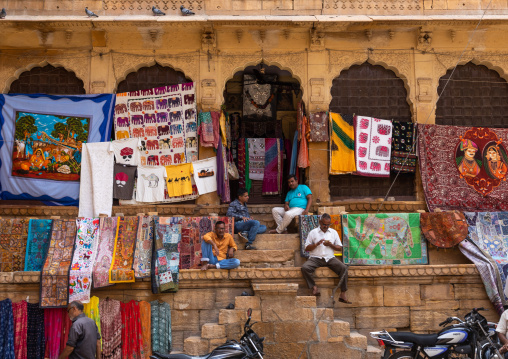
<point x="53" y="319"/>
<point x="216" y="128"/>
<point x="20" y="315"/>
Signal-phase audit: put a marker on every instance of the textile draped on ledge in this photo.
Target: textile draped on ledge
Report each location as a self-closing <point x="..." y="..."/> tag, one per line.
<point x="6" y="329"/>
<point x="123" y="257"/>
<point x="13" y="239"/>
<point x="20" y="315"/>
<point x="39" y="235"/>
<point x="161" y="327"/>
<point x="306" y="224"/>
<point x="444" y="229"/>
<point x="168" y="233"/>
<point x="143" y="252"/>
<point x="35" y="344"/>
<point x="107" y="234"/>
<point x="342" y="144"/>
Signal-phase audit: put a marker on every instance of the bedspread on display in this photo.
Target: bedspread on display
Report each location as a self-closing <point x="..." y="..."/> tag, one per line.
<point x="42" y="161"/>
<point x="379" y="239"/>
<point x="55" y="272"/>
<point x="13" y="239"/>
<point x="39" y="235"/>
<point x="463" y="168"/>
<point x="123" y="257"/>
<point x="306" y="224"/>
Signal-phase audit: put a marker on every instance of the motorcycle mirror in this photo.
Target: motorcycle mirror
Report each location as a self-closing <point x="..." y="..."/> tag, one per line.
<point x="249" y="312"/>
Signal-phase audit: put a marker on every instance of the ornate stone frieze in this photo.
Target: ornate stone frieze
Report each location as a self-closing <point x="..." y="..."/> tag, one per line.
<point x="164" y="5"/>
<point x="372" y="7"/>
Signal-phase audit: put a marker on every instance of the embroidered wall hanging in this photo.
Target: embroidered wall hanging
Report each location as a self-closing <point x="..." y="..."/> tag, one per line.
<point x="306" y="224"/>
<point x="318" y="123"/>
<point x="444" y="229"/>
<point x="403" y="147"/>
<point x="373" y="140"/>
<point x="143" y="252"/>
<point x="13" y="239"/>
<point x="256" y="158"/>
<point x="107" y="233"/>
<point x="258" y="99"/>
<point x="123" y="256"/>
<point x="39" y="235"/>
<point x="168" y="234"/>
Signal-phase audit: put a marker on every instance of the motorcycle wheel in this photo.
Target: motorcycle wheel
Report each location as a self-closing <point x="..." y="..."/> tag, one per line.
<point x="404" y="354"/>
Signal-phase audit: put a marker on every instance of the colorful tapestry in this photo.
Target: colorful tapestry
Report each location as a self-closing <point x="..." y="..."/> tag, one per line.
<point x="107" y="233"/>
<point x="256" y="158"/>
<point x="342" y="144"/>
<point x="91" y="310"/>
<point x="6" y="329"/>
<point x="20" y="315"/>
<point x="444" y="229"/>
<point x="123" y="255"/>
<point x="463" y="168"/>
<point x="373" y="139"/>
<point x="161" y="327"/>
<point x="164" y="118"/>
<point x="382" y="239"/>
<point x="318" y="123"/>
<point x="111" y="328"/>
<point x="55" y="272"/>
<point x="168" y="232"/>
<point x="145" y="313"/>
<point x="306" y="224"/>
<point x="143" y="251"/>
<point x="132" y="338"/>
<point x="13" y="239"/>
<point x="205" y="129"/>
<point x="272" y="176"/>
<point x="35" y="344"/>
<point x="258" y="99"/>
<point x="190" y="244"/>
<point x="43" y="161"/>
<point x="403" y="147"/>
<point x="85" y="251"/>
<point x="39" y="235"/>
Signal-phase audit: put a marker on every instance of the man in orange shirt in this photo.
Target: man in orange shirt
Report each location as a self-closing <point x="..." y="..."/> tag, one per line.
<point x="218" y="249"/>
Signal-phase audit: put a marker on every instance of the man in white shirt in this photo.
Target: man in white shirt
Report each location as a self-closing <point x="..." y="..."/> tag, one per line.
<point x="502" y="331"/>
<point x="321" y="244"/>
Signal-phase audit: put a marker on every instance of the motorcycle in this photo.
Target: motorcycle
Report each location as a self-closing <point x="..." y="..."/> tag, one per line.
<point x="250" y="346"/>
<point x="471" y="338"/>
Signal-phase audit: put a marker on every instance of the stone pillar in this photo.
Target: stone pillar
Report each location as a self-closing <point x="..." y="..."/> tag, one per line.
<point x="101" y="71"/>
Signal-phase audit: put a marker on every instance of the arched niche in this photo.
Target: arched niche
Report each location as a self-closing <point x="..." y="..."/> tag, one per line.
<point x="474" y="96"/>
<point x="48" y="80"/>
<point x="150" y="77"/>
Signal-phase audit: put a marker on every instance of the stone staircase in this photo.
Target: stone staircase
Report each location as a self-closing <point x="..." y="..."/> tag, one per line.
<point x="273" y="251"/>
<point x="288" y="323"/>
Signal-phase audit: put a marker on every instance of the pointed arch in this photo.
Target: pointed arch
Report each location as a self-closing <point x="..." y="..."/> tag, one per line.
<point x="154" y="75"/>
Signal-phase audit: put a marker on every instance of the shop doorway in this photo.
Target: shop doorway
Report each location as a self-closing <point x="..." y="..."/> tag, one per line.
<point x="262" y="102"/>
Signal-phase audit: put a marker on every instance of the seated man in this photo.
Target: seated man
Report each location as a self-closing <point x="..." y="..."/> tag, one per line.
<point x="243" y="221"/>
<point x="223" y="247"/>
<point x="298" y="201"/>
<point x="321" y="244"/>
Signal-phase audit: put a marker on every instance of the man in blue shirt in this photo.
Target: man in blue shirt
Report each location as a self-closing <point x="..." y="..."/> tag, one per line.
<point x="243" y="221"/>
<point x="298" y="201"/>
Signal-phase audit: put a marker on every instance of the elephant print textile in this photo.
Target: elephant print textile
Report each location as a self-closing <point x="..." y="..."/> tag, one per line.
<point x="120" y="108"/>
<point x="175" y="116"/>
<point x="138" y="132"/>
<point x="161" y="103"/>
<point x="143" y="161"/>
<point x="137" y="120"/>
<point x="190" y="114"/>
<point x="176" y="129"/>
<point x="152" y="145"/>
<point x="150" y="118"/>
<point x="163" y="130"/>
<point x="174" y="101"/>
<point x="122" y="134"/>
<point x="188" y="86"/>
<point x="153" y="160"/>
<point x="188" y="99"/>
<point x="151" y="131"/>
<point x="177" y="142"/>
<point x="122" y="121"/>
<point x="165" y="143"/>
<point x="147" y="92"/>
<point x="148" y="105"/>
<point x="166" y="160"/>
<point x="190" y="142"/>
<point x="179" y="158"/>
<point x="190" y="127"/>
<point x="136" y="106"/>
<point x="162" y="117"/>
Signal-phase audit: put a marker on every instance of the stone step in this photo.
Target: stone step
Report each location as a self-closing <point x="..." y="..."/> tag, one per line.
<point x="195" y="346"/>
<point x="356" y="340"/>
<point x="265" y="256"/>
<point x="373" y="352"/>
<point x="272" y="241"/>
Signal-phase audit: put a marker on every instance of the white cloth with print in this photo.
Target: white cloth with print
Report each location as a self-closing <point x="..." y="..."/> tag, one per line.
<point x="123" y="149"/>
<point x="205" y="175"/>
<point x="150" y="185"/>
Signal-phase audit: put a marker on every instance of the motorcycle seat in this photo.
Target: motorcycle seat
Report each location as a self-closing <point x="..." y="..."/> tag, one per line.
<point x="177" y="356"/>
<point x="424" y="340"/>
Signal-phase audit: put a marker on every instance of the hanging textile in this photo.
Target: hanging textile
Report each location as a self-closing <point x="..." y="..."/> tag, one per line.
<point x="259" y="101"/>
<point x="145" y="313"/>
<point x="91" y="310"/>
<point x="6" y="330"/>
<point x="205" y="129"/>
<point x="248" y="181"/>
<point x="111" y="328"/>
<point x="20" y="315"/>
<point x="143" y="251"/>
<point x="318" y="124"/>
<point x="372" y="146"/>
<point x="124" y="180"/>
<point x="35" y="344"/>
<point x="161" y="327"/>
<point x="241" y="162"/>
<point x="381" y="239"/>
<point x="190" y="244"/>
<point x="336" y="223"/>
<point x="222" y="175"/>
<point x="44" y="160"/>
<point x="305" y="225"/>
<point x="96" y="180"/>
<point x="342" y="144"/>
<point x="403" y="147"/>
<point x="13" y="239"/>
<point x="205" y="175"/>
<point x="463" y="168"/>
<point x="294" y="154"/>
<point x="127" y="151"/>
<point x="53" y="324"/>
<point x="223" y="132"/>
<point x="216" y="128"/>
<point x="256" y="158"/>
<point x="55" y="272"/>
<point x="272" y="174"/>
<point x="132" y="338"/>
<point x="123" y="255"/>
<point x="168" y="232"/>
<point x="304" y="135"/>
<point x="108" y="228"/>
<point x="85" y="251"/>
<point x="39" y="235"/>
<point x="444" y="229"/>
<point x="66" y="327"/>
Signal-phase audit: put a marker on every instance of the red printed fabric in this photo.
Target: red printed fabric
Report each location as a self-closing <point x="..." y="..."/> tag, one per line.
<point x="132" y="335"/>
<point x="19" y="312"/>
<point x="53" y="324"/>
<point x="463" y="168"/>
<point x="111" y="328"/>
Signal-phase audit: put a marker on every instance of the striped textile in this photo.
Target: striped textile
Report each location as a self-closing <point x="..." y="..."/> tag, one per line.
<point x="342" y="144"/>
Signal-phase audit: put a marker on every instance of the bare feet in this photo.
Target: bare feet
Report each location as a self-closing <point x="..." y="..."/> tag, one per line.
<point x="273" y="231"/>
<point x="208" y="266"/>
<point x="315" y="291"/>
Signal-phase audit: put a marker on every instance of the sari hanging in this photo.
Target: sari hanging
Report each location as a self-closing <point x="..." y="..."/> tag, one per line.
<point x="19" y="313"/>
<point x="146" y="327"/>
<point x="132" y="338"/>
<point x="111" y="328"/>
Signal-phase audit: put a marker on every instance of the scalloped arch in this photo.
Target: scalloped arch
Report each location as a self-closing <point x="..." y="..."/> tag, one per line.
<point x="476" y="60"/>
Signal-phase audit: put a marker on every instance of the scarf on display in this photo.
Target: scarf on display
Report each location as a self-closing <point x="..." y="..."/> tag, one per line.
<point x="372" y="146"/>
<point x="13" y="239"/>
<point x="304" y="135"/>
<point x="123" y="255"/>
<point x="145" y="313"/>
<point x="223" y="131"/>
<point x="107" y="233"/>
<point x="463" y="168"/>
<point x="272" y="176"/>
<point x="39" y="235"/>
<point x="168" y="233"/>
<point x="143" y="252"/>
<point x="306" y="224"/>
<point x="161" y="327"/>
<point x="62" y="123"/>
<point x="35" y="345"/>
<point x="132" y="337"/>
<point x="55" y="272"/>
<point x="444" y="229"/>
<point x="91" y="310"/>
<point x="111" y="328"/>
<point x="342" y="144"/>
<point x="318" y="124"/>
<point x="205" y="129"/>
<point x="19" y="313"/>
<point x="403" y="147"/>
<point x="256" y="158"/>
<point x="85" y="251"/>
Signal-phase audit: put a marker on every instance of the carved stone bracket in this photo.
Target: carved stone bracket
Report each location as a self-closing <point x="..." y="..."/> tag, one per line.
<point x="317" y="39"/>
<point x="424" y="90"/>
<point x="317" y="90"/>
<point x="424" y="39"/>
<point x="209" y="90"/>
<point x="208" y="39"/>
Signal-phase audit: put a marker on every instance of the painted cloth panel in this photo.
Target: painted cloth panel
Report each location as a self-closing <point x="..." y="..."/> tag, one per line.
<point x="6" y="330"/>
<point x="44" y="161"/>
<point x="55" y="272"/>
<point x="318" y="122"/>
<point x="272" y="176"/>
<point x="13" y="239"/>
<point x="108" y="228"/>
<point x="39" y="235"/>
<point x="85" y="252"/>
<point x="380" y="239"/>
<point x="444" y="229"/>
<point x="111" y="328"/>
<point x="123" y="255"/>
<point x="373" y="139"/>
<point x="132" y="338"/>
<point x="161" y="327"/>
<point x="143" y="251"/>
<point x="20" y="315"/>
<point x="306" y="224"/>
<point x="35" y="345"/>
<point x="403" y="147"/>
<point x="342" y="144"/>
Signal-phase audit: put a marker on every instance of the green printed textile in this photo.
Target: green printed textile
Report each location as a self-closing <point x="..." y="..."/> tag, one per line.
<point x="380" y="239"/>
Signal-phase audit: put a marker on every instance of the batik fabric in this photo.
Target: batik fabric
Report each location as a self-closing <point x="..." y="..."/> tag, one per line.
<point x="444" y="229"/>
<point x="145" y="313"/>
<point x="13" y="239"/>
<point x="161" y="327"/>
<point x="318" y="123"/>
<point x="39" y="235"/>
<point x="272" y="175"/>
<point x="6" y="330"/>
<point x="108" y="228"/>
<point x="342" y="144"/>
<point x="256" y="158"/>
<point x="132" y="338"/>
<point x="91" y="310"/>
<point x="19" y="313"/>
<point x="143" y="251"/>
<point x="55" y="272"/>
<point x="403" y="147"/>
<point x="167" y="239"/>
<point x="85" y="252"/>
<point x="383" y="239"/>
<point x="111" y="328"/>
<point x="373" y="139"/>
<point x="306" y="224"/>
<point x="35" y="344"/>
<point x="123" y="256"/>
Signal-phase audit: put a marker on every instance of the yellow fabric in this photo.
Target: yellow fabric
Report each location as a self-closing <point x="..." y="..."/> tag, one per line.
<point x="178" y="180"/>
<point x="223" y="244"/>
<point x="91" y="310"/>
<point x="222" y="122"/>
<point x="342" y="153"/>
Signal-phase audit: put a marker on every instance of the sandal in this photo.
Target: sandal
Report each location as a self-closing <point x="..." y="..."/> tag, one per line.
<point x="345" y="301"/>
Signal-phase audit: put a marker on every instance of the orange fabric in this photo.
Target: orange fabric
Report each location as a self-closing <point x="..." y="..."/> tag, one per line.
<point x="146" y="327"/>
<point x="223" y="244"/>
